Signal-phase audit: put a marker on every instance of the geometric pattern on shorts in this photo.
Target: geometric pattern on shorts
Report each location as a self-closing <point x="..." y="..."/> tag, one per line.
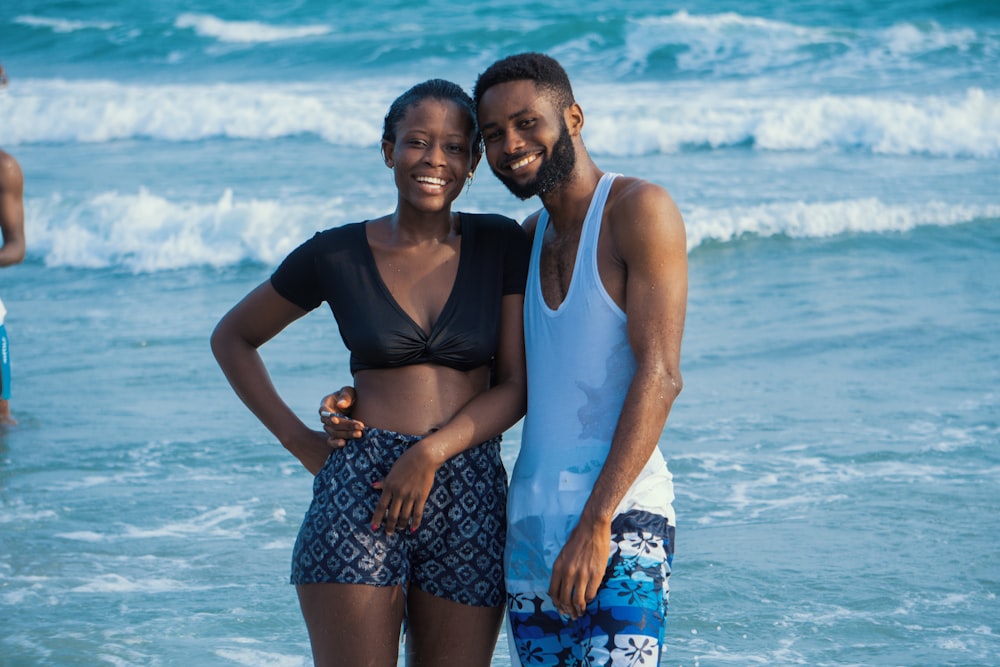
<point x="455" y="554"/>
<point x="624" y="624"/>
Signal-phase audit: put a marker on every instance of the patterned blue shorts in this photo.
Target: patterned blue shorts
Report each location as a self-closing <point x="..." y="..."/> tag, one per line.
<point x="456" y="553"/>
<point x="624" y="624"/>
<point x="4" y="364"/>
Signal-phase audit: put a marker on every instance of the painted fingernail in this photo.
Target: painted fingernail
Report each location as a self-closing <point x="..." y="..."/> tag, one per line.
<point x="374" y="526"/>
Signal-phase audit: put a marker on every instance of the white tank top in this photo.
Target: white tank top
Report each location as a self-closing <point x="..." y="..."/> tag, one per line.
<point x="580" y="366"/>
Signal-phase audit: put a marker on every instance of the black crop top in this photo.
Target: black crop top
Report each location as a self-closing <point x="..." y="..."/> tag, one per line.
<point x="337" y="266"/>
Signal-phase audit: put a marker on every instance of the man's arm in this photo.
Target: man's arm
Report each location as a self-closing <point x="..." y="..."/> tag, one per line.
<point x="11" y="210"/>
<point x="649" y="238"/>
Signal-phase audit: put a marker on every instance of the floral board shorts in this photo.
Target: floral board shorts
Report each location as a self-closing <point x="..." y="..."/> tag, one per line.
<point x="624" y="624"/>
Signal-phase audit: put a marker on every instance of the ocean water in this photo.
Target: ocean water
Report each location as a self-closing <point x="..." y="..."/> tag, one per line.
<point x="836" y="449"/>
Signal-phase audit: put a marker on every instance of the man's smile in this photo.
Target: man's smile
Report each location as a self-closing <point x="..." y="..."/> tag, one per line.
<point x="523" y="161"/>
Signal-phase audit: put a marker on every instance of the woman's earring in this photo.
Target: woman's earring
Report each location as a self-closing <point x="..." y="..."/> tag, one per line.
<point x="468" y="181"/>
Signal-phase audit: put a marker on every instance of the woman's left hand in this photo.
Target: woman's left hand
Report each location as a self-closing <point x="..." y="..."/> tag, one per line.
<point x="404" y="491"/>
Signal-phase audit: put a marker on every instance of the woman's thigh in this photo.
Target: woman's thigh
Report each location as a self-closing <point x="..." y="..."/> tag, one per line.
<point x="352" y="625"/>
<point x="442" y="633"/>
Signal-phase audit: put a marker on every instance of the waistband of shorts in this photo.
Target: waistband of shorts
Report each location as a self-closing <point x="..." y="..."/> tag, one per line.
<point x="375" y="433"/>
<point x="634" y="521"/>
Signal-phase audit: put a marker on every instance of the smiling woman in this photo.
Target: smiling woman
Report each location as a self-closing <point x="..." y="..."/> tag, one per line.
<point x="429" y="304"/>
<point x="432" y="146"/>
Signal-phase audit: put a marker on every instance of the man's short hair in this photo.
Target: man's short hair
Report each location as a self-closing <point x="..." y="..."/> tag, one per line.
<point x="545" y="71"/>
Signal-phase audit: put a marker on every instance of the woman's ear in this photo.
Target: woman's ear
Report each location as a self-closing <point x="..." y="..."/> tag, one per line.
<point x="387" y="153"/>
<point x="476" y="157"/>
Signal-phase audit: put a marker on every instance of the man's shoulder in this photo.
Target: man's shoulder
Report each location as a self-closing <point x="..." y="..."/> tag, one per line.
<point x="636" y="201"/>
<point x="641" y="213"/>
<point x="10" y="171"/>
<point x="7" y="160"/>
<point x="629" y="191"/>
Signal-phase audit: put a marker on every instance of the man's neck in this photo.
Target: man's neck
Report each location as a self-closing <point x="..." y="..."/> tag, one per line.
<point x="567" y="204"/>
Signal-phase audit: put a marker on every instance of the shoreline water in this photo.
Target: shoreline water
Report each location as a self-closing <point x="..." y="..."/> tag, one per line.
<point x="163" y="504"/>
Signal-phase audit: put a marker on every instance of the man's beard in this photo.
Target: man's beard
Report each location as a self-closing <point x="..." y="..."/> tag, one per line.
<point x="554" y="170"/>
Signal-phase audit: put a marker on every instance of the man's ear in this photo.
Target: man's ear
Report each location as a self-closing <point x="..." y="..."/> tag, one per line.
<point x="573" y="115"/>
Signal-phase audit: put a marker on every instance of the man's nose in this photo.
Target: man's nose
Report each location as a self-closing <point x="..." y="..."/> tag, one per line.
<point x="512" y="142"/>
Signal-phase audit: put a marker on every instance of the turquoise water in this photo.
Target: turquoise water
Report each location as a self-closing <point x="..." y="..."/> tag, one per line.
<point x="836" y="450"/>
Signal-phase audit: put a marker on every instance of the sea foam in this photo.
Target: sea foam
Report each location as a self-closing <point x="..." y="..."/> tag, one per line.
<point x="145" y="231"/>
<point x="650" y="119"/>
<point x="116" y="583"/>
<point x="58" y="111"/>
<point x="246" y="32"/>
<point x="622" y="119"/>
<point x="259" y="658"/>
<point x="731" y="44"/>
<point x="58" y="25"/>
<point x="825" y="219"/>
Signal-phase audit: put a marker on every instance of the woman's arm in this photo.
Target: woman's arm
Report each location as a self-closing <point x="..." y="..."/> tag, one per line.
<point x="256" y="319"/>
<point x="406" y="487"/>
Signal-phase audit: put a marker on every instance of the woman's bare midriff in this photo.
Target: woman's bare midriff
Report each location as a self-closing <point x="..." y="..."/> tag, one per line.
<point x="415" y="399"/>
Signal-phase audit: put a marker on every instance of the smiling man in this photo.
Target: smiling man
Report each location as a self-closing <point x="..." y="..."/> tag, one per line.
<point x="590" y="517"/>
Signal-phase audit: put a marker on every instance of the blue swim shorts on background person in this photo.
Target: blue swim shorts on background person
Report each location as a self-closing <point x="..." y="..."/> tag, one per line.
<point x="4" y="364"/>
